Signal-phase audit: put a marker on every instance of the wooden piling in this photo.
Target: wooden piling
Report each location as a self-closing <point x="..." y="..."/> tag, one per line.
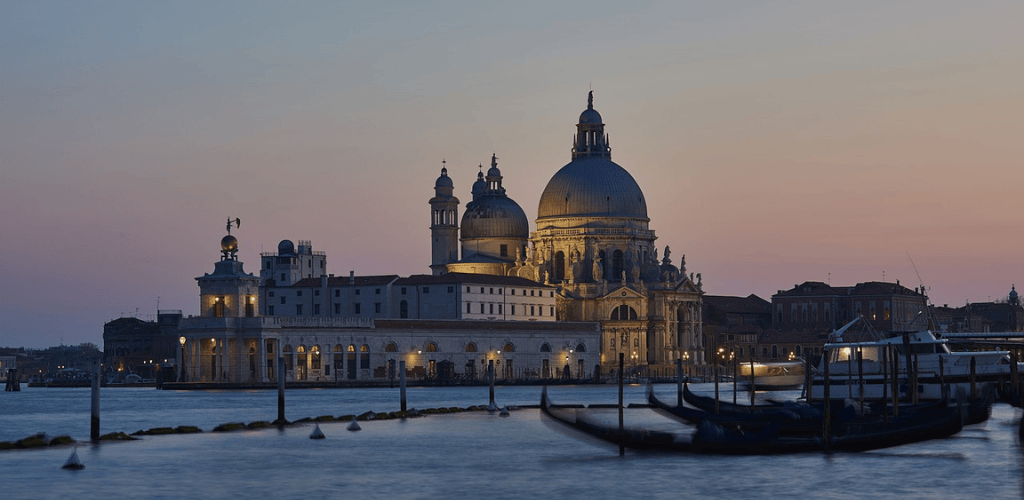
<point x="942" y="379"/>
<point x="827" y="421"/>
<point x="884" y="366"/>
<point x="401" y="384"/>
<point x="916" y="395"/>
<point x="94" y="431"/>
<point x="895" y="381"/>
<point x="490" y="377"/>
<point x="622" y="423"/>
<point x="849" y="375"/>
<point x="735" y="375"/>
<point x="679" y="381"/>
<point x="808" y="375"/>
<point x="974" y="392"/>
<point x="753" y="390"/>
<point x="280" y="390"/>
<point x="860" y="374"/>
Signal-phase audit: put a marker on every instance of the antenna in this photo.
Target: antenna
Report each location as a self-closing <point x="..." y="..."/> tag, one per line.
<point x="921" y="282"/>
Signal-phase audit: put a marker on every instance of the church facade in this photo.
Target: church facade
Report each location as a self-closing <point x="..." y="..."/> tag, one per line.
<point x="592" y="242"/>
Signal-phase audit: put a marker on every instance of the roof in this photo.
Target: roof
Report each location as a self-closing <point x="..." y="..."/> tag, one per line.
<point x="461" y="278"/>
<point x="751" y="304"/>
<point x="346" y="281"/>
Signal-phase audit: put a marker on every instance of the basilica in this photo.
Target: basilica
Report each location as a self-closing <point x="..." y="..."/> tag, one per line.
<point x="569" y="299"/>
<point x="592" y="243"/>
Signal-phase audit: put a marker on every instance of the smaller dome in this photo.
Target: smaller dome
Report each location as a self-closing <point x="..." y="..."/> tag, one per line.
<point x="590" y="116"/>
<point x="229" y="243"/>
<point x="493" y="172"/>
<point x="286" y="247"/>
<point x="444" y="181"/>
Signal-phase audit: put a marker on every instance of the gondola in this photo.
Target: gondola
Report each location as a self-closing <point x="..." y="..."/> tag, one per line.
<point x="711" y="437"/>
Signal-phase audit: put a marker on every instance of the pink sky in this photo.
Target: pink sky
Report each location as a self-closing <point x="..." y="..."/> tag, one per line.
<point x="775" y="144"/>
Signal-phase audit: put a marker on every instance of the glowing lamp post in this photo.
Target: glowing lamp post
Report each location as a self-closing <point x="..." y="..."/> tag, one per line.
<point x="181" y="363"/>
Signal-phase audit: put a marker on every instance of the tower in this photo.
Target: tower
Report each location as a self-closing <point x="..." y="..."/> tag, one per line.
<point x="444" y="226"/>
<point x="229" y="291"/>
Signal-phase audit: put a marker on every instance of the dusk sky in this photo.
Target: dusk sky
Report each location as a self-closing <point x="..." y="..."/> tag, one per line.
<point x="776" y="142"/>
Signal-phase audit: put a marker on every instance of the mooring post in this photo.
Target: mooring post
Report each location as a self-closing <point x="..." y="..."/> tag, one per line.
<point x="679" y="381"/>
<point x="942" y="379"/>
<point x="885" y="384"/>
<point x="895" y="381"/>
<point x="714" y="369"/>
<point x="973" y="377"/>
<point x="94" y="432"/>
<point x="753" y="388"/>
<point x="808" y="375"/>
<point x="490" y="377"/>
<point x="401" y="382"/>
<point x="622" y="424"/>
<point x="735" y="373"/>
<point x="1014" y="382"/>
<point x="280" y="390"/>
<point x="827" y="421"/>
<point x="860" y="375"/>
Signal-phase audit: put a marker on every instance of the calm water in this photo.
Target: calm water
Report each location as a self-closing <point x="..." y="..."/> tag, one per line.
<point x="464" y="455"/>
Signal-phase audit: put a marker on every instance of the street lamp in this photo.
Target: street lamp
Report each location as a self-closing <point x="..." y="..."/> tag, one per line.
<point x="181" y="363"/>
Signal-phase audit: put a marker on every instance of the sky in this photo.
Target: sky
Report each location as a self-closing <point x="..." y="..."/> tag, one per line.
<point x="775" y="142"/>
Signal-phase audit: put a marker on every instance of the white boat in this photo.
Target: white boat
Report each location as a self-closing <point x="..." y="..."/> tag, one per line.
<point x="932" y="363"/>
<point x="781" y="376"/>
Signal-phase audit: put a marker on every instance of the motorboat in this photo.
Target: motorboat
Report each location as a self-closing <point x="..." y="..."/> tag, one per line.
<point x="777" y="376"/>
<point x="925" y="368"/>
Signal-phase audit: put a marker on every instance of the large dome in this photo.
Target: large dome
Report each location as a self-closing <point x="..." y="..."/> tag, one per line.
<point x="494" y="217"/>
<point x="592" y="186"/>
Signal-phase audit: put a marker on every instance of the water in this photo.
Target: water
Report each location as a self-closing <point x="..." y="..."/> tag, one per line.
<point x="462" y="455"/>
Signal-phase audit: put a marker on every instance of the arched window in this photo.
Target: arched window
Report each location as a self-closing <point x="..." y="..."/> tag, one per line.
<point x="314" y="357"/>
<point x="470" y="347"/>
<point x="509" y="348"/>
<point x="403" y="309"/>
<point x="391" y="347"/>
<point x="558" y="267"/>
<point x="545" y="347"/>
<point x="351" y="348"/>
<point x="301" y="348"/>
<point x="431" y="347"/>
<point x="623" y="312"/>
<point x="337" y="347"/>
<point x="775" y="351"/>
<point x="581" y="348"/>
<point x="364" y="357"/>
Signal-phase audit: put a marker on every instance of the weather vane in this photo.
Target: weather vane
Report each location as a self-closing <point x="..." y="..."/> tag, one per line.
<point x="237" y="223"/>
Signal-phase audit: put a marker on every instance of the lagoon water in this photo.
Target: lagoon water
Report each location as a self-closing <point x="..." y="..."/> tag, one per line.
<point x="461" y="455"/>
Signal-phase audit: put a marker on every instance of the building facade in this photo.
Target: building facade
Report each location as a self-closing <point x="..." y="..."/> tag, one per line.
<point x="593" y="244"/>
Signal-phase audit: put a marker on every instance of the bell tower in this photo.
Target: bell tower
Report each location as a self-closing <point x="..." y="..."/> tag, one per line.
<point x="444" y="226"/>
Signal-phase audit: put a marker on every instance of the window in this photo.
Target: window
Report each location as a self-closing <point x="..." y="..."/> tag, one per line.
<point x="426" y="289"/>
<point x="270" y="310"/>
<point x="270" y="294"/>
<point x="552" y="294"/>
<point x="545" y="347"/>
<point x="337" y="293"/>
<point x="357" y="291"/>
<point x="623" y="312"/>
<point x="451" y="289"/>
<point x="391" y="347"/>
<point x="491" y="291"/>
<point x="403" y="309"/>
<point x="358" y="308"/>
<point x="581" y="348"/>
<point x="491" y="309"/>
<point x="431" y="347"/>
<point x="500" y="291"/>
<point x="532" y="311"/>
<point x="552" y="310"/>
<point x="513" y="309"/>
<point x="541" y="310"/>
<point x="376" y="291"/>
<point x="403" y="290"/>
<point x="283" y="299"/>
<point x="504" y="250"/>
<point x="509" y="348"/>
<point x="282" y="277"/>
<point x="467" y="289"/>
<point x="481" y="308"/>
<point x="337" y="308"/>
<point x="481" y="289"/>
<point x="468" y="306"/>
<point x="499" y="309"/>
<point x="316" y="293"/>
<point x="298" y="309"/>
<point x="470" y="347"/>
<point x="376" y="307"/>
<point x="316" y="308"/>
<point x="531" y="292"/>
